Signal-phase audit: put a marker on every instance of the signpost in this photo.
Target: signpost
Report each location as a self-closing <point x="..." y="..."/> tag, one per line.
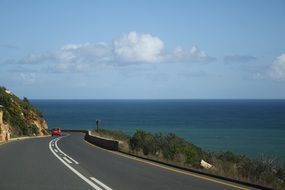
<point x="97" y="125"/>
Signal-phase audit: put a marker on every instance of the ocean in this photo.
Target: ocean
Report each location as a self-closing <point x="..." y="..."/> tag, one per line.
<point x="253" y="128"/>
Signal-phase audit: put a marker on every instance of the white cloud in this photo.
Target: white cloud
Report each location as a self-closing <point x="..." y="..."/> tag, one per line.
<point x="35" y="58"/>
<point x="192" y="55"/>
<point x="133" y="47"/>
<point x="130" y="48"/>
<point x="88" y="52"/>
<point x="277" y="68"/>
<point x="80" y="57"/>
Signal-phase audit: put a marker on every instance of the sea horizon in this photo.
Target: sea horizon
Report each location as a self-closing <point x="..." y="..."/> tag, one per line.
<point x="157" y="99"/>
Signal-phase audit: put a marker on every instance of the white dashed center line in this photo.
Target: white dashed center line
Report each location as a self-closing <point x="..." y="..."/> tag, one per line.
<point x="68" y="161"/>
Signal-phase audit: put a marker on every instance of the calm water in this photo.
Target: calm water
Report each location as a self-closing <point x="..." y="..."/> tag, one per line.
<point x="251" y="127"/>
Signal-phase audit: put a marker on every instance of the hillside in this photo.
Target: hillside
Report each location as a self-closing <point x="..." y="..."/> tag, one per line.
<point x="19" y="117"/>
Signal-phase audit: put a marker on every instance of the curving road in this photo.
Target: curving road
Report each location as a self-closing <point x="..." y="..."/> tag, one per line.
<point x="69" y="163"/>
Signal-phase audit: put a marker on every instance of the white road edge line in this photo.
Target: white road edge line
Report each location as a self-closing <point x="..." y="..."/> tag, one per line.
<point x="66" y="159"/>
<point x="74" y="170"/>
<point x="55" y="150"/>
<point x="100" y="183"/>
<point x="63" y="152"/>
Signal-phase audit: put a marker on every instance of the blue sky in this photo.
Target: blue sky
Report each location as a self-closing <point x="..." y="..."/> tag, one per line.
<point x="91" y="49"/>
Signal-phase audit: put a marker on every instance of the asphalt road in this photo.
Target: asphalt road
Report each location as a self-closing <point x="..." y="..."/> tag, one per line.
<point x="71" y="163"/>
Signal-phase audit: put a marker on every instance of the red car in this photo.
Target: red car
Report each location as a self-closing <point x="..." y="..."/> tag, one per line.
<point x="56" y="132"/>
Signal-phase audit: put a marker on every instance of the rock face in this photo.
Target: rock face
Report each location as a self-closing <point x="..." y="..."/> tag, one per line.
<point x="19" y="117"/>
<point x="206" y="165"/>
<point x="42" y="126"/>
<point x="4" y="129"/>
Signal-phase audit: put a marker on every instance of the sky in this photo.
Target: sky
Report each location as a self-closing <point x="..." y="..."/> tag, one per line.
<point x="143" y="49"/>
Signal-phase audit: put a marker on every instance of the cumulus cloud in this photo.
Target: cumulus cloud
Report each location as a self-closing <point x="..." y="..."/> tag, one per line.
<point x="80" y="57"/>
<point x="277" y="68"/>
<point x="130" y="48"/>
<point x="87" y="52"/>
<point x="239" y="58"/>
<point x="133" y="47"/>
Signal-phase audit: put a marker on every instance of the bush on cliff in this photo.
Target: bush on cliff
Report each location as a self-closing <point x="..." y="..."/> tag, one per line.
<point x="169" y="147"/>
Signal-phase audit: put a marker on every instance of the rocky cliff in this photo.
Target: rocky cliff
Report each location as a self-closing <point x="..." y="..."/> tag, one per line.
<point x="19" y="117"/>
<point x="4" y="129"/>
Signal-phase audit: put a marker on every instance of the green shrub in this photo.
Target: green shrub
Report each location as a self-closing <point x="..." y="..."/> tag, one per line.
<point x="193" y="156"/>
<point x="144" y="141"/>
<point x="170" y="146"/>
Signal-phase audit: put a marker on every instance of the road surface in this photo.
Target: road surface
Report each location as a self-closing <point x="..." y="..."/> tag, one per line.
<point x="69" y="162"/>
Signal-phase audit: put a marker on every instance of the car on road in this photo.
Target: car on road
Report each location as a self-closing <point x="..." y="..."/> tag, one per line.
<point x="56" y="132"/>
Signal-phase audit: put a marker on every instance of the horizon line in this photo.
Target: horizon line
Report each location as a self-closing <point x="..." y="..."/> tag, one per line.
<point x="158" y="99"/>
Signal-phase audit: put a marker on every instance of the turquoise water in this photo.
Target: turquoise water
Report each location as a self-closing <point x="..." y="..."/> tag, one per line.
<point x="250" y="127"/>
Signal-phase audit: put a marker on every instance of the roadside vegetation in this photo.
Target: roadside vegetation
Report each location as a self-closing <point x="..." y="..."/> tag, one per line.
<point x="172" y="149"/>
<point x="19" y="114"/>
